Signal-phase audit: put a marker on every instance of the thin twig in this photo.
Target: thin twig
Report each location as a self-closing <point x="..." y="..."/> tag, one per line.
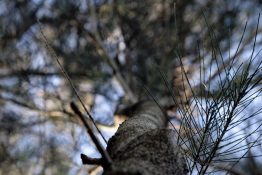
<point x="99" y="146"/>
<point x="52" y="52"/>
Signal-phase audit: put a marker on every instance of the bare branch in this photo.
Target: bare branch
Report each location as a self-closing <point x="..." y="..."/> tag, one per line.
<point x="99" y="146"/>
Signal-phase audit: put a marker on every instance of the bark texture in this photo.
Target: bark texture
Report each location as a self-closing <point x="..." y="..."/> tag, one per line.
<point x="142" y="145"/>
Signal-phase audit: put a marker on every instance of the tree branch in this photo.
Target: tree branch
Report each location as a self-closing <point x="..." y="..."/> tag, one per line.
<point x="104" y="55"/>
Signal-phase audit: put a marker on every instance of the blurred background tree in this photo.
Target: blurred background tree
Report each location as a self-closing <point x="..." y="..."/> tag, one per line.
<point x="112" y="50"/>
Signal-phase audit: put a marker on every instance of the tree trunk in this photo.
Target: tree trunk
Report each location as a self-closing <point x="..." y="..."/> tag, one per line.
<point x="143" y="146"/>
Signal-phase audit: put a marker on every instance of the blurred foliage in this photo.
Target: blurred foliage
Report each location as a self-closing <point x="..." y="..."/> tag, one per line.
<point x="111" y="49"/>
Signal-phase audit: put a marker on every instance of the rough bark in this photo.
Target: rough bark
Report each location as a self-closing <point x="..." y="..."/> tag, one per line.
<point x="143" y="146"/>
